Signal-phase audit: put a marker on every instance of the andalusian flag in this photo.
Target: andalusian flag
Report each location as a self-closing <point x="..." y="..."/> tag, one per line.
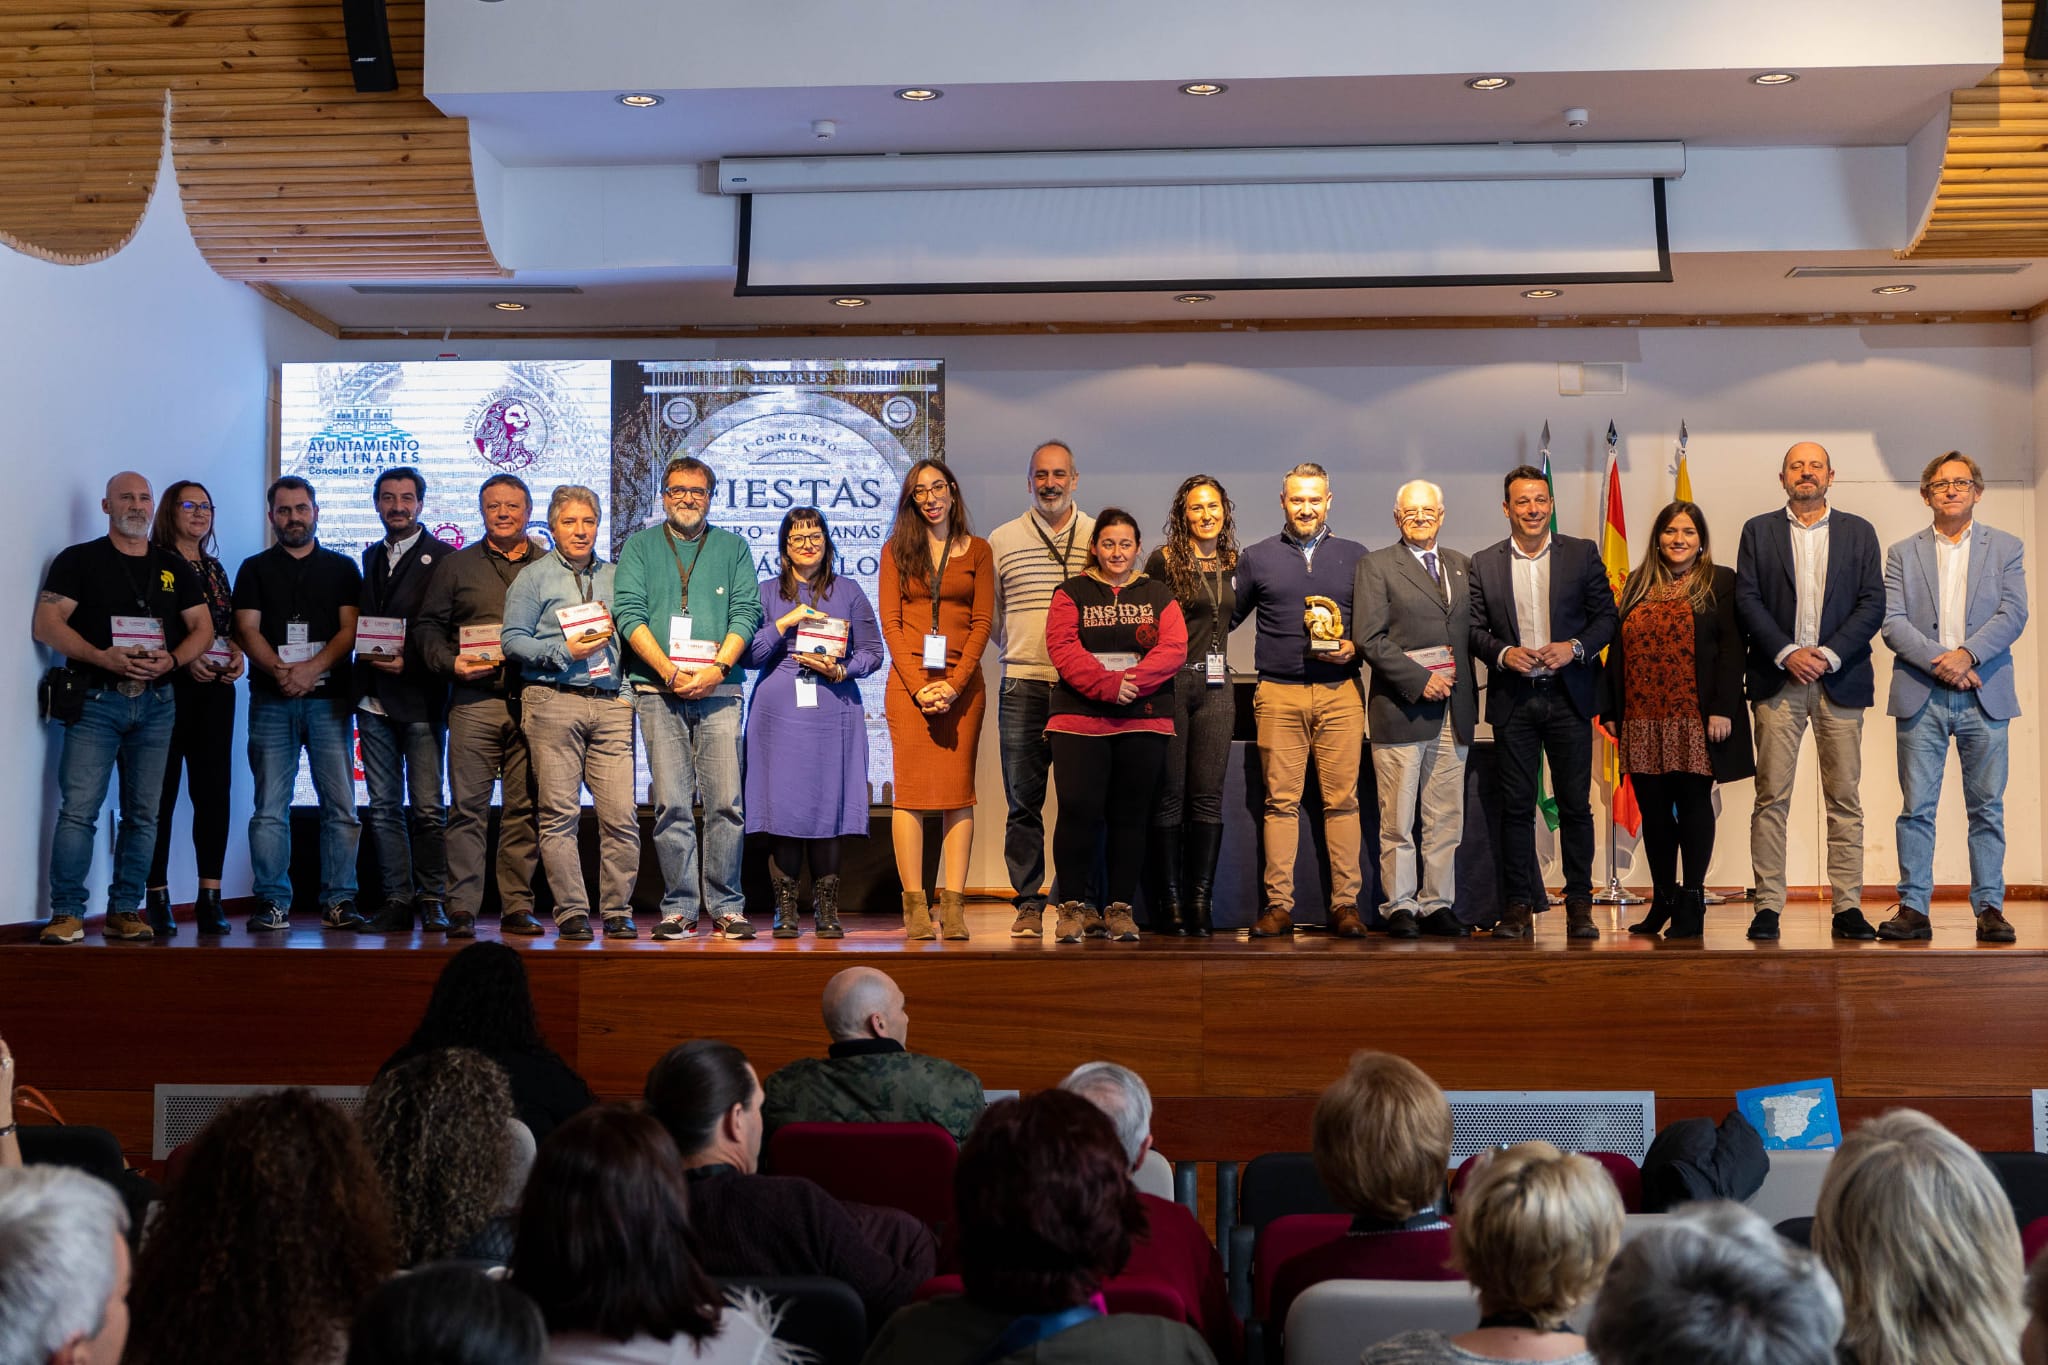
<point x="1683" y="492"/>
<point x="1545" y="802"/>
<point x="1614" y="554"/>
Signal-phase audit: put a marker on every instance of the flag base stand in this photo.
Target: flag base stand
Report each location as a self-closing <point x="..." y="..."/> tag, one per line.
<point x="1553" y="898"/>
<point x="1617" y="894"/>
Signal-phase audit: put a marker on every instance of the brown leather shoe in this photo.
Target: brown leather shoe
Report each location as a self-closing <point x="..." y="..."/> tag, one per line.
<point x="1274" y="923"/>
<point x="1993" y="927"/>
<point x="1906" y="924"/>
<point x="1578" y="919"/>
<point x="1345" y="923"/>
<point x="1518" y="921"/>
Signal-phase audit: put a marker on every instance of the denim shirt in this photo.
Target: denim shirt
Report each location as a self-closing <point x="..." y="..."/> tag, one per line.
<point x="532" y="633"/>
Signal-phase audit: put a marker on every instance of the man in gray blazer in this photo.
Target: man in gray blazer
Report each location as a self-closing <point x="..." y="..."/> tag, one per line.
<point x="1955" y="600"/>
<point x="1412" y="619"/>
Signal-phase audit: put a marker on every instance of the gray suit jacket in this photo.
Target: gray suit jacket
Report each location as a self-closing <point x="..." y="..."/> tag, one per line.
<point x="1994" y="614"/>
<point x="1396" y="607"/>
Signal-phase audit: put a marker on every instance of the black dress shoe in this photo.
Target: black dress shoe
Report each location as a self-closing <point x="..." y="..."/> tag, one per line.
<point x="521" y="923"/>
<point x="156" y="908"/>
<point x="1763" y="927"/>
<point x="1443" y="924"/>
<point x="461" y="925"/>
<point x="433" y="917"/>
<point x="575" y="929"/>
<point x="1851" y="924"/>
<point x="394" y="918"/>
<point x="207" y="915"/>
<point x="1402" y="924"/>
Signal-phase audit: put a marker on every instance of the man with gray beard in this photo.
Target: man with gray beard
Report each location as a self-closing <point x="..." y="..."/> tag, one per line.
<point x="124" y="614"/>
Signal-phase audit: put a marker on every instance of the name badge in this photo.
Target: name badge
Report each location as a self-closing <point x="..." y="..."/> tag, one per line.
<point x="678" y="632"/>
<point x="935" y="651"/>
<point x="1217" y="670"/>
<point x="296" y="633"/>
<point x="806" y="691"/>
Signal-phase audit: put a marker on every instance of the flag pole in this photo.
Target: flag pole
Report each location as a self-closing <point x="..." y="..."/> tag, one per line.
<point x="1616" y="893"/>
<point x="1543" y="448"/>
<point x="1614" y="554"/>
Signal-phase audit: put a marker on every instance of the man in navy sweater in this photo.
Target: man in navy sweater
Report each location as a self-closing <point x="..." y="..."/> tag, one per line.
<point x="1308" y="702"/>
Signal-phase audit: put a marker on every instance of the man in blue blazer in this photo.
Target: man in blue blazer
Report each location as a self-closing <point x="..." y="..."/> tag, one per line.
<point x="1955" y="600"/>
<point x="1542" y="610"/>
<point x="1809" y="592"/>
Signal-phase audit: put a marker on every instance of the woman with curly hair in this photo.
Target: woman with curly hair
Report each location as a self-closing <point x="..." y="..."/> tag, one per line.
<point x="1199" y="561"/>
<point x="268" y="1243"/>
<point x="481" y="1001"/>
<point x="439" y="1128"/>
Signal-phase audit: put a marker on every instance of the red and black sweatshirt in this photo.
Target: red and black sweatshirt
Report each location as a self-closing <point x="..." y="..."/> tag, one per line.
<point x="1087" y="620"/>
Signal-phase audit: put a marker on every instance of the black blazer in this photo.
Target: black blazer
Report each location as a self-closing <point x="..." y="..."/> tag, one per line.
<point x="1395" y="607"/>
<point x="419" y="693"/>
<point x="1851" y="603"/>
<point x="1581" y="608"/>
<point x="1717" y="657"/>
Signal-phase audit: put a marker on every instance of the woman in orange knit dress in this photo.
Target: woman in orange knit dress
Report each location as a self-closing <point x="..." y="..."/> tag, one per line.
<point x="935" y="697"/>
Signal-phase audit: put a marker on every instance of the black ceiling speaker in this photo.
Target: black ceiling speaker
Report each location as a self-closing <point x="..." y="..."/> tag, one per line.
<point x="369" y="46"/>
<point x="2037" y="33"/>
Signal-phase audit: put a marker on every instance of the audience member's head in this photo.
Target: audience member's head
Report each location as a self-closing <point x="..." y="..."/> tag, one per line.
<point x="1382" y="1138"/>
<point x="709" y="1099"/>
<point x="1045" y="1204"/>
<point x="63" y="1268"/>
<point x="2034" y="1341"/>
<point x="604" y="1242"/>
<point x="860" y="1003"/>
<point x="439" y="1127"/>
<point x="481" y="1000"/>
<point x="268" y="1243"/>
<point x="1122" y="1094"/>
<point x="1536" y="1230"/>
<point x="1714" y="1285"/>
<point x="1922" y="1240"/>
<point x="448" y="1315"/>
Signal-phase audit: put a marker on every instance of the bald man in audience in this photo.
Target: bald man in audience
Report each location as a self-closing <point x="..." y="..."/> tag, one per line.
<point x="868" y="1075"/>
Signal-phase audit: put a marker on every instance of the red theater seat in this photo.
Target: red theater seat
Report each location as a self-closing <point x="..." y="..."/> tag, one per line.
<point x="906" y="1166"/>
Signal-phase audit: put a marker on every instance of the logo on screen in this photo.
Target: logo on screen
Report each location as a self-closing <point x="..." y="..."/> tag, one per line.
<point x="511" y="431"/>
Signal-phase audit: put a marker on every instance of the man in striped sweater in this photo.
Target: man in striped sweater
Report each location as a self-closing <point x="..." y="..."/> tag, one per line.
<point x="1034" y="554"/>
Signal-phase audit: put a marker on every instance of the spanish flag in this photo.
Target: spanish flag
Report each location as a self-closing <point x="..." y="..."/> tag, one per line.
<point x="1614" y="555"/>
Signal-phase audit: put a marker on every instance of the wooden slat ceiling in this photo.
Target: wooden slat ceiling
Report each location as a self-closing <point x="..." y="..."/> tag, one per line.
<point x="1993" y="196"/>
<point x="286" y="172"/>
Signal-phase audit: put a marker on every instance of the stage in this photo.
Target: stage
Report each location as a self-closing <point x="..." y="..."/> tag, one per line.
<point x="1235" y="1036"/>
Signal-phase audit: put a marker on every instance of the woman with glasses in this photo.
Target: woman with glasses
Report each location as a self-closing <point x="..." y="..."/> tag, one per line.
<point x="938" y="605"/>
<point x="203" y="736"/>
<point x="807" y="736"/>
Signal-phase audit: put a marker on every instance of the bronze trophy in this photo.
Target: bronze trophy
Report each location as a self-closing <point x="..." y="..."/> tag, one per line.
<point x="1325" y="622"/>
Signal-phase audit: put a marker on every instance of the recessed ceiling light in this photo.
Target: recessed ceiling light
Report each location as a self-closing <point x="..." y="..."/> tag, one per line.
<point x="849" y="302"/>
<point x="509" y="306"/>
<point x="1541" y="293"/>
<point x="1774" y="78"/>
<point x="918" y="94"/>
<point x="639" y="101"/>
<point x="1895" y="289"/>
<point x="1489" y="82"/>
<point x="1203" y="88"/>
<point x="1194" y="298"/>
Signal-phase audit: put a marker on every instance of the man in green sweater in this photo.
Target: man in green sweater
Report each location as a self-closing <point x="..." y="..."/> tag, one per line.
<point x="687" y="603"/>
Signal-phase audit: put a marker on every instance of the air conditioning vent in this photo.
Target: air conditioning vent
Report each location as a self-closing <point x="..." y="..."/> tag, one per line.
<point x="1892" y="272"/>
<point x="182" y="1110"/>
<point x="1620" y="1121"/>
<point x="493" y="291"/>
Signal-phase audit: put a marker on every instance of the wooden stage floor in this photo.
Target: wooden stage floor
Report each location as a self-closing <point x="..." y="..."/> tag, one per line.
<point x="1235" y="1036"/>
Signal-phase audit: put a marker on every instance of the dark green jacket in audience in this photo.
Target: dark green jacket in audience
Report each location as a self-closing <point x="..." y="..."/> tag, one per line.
<point x="873" y="1080"/>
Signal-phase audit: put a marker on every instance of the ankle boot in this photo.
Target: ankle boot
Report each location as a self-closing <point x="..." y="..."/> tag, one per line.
<point x="1163" y="847"/>
<point x="917" y="916"/>
<point x="1652" y="924"/>
<point x="788" y="919"/>
<point x="825" y="905"/>
<point x="207" y="916"/>
<point x="156" y="908"/>
<point x="1203" y="844"/>
<point x="1688" y="913"/>
<point x="952" y="915"/>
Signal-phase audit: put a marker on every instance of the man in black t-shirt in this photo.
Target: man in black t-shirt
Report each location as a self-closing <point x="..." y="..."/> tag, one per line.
<point x="295" y="616"/>
<point x="124" y="613"/>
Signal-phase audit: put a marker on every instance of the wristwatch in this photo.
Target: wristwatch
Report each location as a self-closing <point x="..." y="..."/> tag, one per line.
<point x="724" y="669"/>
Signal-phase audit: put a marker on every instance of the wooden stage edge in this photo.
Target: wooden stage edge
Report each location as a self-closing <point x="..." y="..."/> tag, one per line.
<point x="1235" y="1037"/>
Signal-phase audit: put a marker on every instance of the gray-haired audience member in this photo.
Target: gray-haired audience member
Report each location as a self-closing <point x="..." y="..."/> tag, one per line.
<point x="63" y="1269"/>
<point x="1715" y="1286"/>
<point x="1122" y="1094"/>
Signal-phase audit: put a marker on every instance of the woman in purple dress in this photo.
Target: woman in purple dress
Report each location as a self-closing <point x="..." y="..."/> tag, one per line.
<point x="807" y="738"/>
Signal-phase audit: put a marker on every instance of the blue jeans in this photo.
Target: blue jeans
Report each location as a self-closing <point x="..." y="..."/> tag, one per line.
<point x="693" y="751"/>
<point x="1923" y="753"/>
<point x="278" y="728"/>
<point x="132" y="734"/>
<point x="1027" y="758"/>
<point x="401" y="758"/>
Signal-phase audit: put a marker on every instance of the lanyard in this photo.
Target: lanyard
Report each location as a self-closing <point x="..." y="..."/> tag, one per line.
<point x="1059" y="553"/>
<point x="140" y="594"/>
<point x="1212" y="588"/>
<point x="938" y="581"/>
<point x="1034" y="1328"/>
<point x="578" y="575"/>
<point x="681" y="577"/>
<point x="295" y="573"/>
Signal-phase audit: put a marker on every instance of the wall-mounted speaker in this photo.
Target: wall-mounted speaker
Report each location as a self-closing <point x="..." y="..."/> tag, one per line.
<point x="369" y="46"/>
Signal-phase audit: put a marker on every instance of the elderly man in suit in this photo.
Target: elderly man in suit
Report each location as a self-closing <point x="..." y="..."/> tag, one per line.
<point x="1542" y="610"/>
<point x="1810" y="595"/>
<point x="1412" y="619"/>
<point x="1955" y="600"/>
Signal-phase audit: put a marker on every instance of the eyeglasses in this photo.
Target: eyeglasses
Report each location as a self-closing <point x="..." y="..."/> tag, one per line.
<point x="1420" y="514"/>
<point x="195" y="507"/>
<point x="926" y="492"/>
<point x="808" y="538"/>
<point x="687" y="492"/>
<point x="1951" y="485"/>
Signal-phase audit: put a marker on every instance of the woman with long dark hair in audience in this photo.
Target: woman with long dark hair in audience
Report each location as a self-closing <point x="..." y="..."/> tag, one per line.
<point x="938" y="593"/>
<point x="1199" y="560"/>
<point x="1672" y="697"/>
<point x="203" y="736"/>
<point x="269" y="1242"/>
<point x="448" y="1315"/>
<point x="481" y="1001"/>
<point x="440" y="1129"/>
<point x="605" y="1248"/>
<point x="1116" y="637"/>
<point x="807" y="734"/>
